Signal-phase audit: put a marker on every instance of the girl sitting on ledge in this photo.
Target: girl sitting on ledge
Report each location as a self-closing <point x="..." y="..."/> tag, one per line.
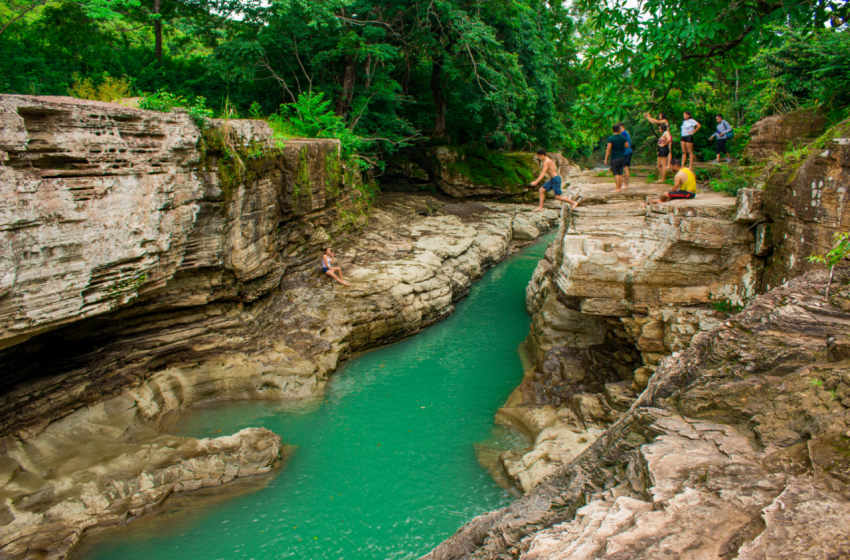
<point x="329" y="268"/>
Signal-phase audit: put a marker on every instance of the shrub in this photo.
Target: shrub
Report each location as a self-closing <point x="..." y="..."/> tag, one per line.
<point x="109" y="89"/>
<point x="312" y="117"/>
<point x="165" y="101"/>
<point x="729" y="182"/>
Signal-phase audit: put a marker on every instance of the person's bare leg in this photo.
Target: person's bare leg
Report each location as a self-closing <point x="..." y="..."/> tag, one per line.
<point x="618" y="180"/>
<point x="625" y="178"/>
<point x="571" y="202"/>
<point x="684" y="153"/>
<point x="338" y="270"/>
<point x="658" y="167"/>
<point x="691" y="153"/>
<point x="542" y="199"/>
<point x="664" y="168"/>
<point x="334" y="276"/>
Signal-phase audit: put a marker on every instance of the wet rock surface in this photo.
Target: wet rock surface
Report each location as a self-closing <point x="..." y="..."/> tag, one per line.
<point x="200" y="258"/>
<point x="734" y="450"/>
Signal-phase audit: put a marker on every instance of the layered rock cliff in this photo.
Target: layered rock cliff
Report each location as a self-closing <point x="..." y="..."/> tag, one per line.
<point x="666" y="423"/>
<point x="154" y="265"/>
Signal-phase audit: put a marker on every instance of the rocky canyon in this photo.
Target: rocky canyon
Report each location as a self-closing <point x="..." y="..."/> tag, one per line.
<point x="688" y="392"/>
<point x="688" y="380"/>
<point x="150" y="264"/>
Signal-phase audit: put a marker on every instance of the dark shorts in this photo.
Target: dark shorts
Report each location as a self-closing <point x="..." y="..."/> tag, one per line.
<point x="664" y="151"/>
<point x="627" y="160"/>
<point x="720" y="146"/>
<point x="681" y="194"/>
<point x="617" y="166"/>
<point x="689" y="139"/>
<point x="553" y="184"/>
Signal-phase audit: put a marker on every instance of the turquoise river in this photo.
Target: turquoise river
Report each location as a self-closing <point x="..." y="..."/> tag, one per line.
<point x="386" y="463"/>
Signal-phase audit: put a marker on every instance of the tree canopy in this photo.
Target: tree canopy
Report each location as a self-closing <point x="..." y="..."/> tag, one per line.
<point x="503" y="74"/>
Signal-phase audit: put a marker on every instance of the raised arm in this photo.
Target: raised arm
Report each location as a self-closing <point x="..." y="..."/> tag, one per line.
<point x="650" y="119"/>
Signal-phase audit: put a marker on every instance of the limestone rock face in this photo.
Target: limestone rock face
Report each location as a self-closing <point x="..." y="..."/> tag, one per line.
<point x="807" y="205"/>
<point x="771" y="136"/>
<point x="54" y="501"/>
<point x="733" y="451"/>
<point x="194" y="276"/>
<point x="623" y="286"/>
<point x="96" y="201"/>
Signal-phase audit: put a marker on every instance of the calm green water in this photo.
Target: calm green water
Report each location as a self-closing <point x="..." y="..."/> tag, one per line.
<point x="385" y="464"/>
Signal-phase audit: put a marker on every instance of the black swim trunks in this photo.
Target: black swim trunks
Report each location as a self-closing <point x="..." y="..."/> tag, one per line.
<point x="689" y="139"/>
<point x="627" y="160"/>
<point x="681" y="194"/>
<point x="663" y="151"/>
<point x="617" y="166"/>
<point x="553" y="184"/>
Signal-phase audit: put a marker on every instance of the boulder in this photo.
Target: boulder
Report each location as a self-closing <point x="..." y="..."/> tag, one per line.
<point x="771" y="136"/>
<point x="807" y="203"/>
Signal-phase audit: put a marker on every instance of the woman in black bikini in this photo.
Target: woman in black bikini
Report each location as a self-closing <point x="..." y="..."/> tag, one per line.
<point x="661" y="162"/>
<point x="662" y="119"/>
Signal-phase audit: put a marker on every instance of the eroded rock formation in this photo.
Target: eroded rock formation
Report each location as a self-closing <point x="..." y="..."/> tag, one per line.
<point x="735" y="450"/>
<point x="154" y="265"/>
<point x="770" y="137"/>
<point x="623" y="286"/>
<point x="735" y="446"/>
<point x="807" y="204"/>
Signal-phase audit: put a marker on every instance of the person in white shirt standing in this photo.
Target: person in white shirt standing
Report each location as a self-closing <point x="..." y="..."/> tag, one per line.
<point x="724" y="134"/>
<point x="689" y="128"/>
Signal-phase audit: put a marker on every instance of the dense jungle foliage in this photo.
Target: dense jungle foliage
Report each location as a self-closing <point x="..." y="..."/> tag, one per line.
<point x="382" y="74"/>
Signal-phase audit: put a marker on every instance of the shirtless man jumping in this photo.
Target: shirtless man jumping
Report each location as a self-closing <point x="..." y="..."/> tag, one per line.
<point x="553" y="184"/>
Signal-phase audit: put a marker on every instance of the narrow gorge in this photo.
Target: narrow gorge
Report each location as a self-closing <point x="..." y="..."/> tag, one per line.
<point x="684" y="390"/>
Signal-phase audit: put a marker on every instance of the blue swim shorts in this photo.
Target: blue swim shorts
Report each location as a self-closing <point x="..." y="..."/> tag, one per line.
<point x="553" y="184"/>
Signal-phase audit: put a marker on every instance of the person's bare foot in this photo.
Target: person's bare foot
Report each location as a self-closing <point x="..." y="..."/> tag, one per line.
<point x="344" y="283"/>
<point x="539" y="209"/>
<point x="615" y="191"/>
<point x="574" y="204"/>
<point x="656" y="201"/>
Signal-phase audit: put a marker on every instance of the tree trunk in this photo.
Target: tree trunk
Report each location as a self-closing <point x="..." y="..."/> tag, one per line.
<point x="348" y="79"/>
<point x="405" y="82"/>
<point x="369" y="70"/>
<point x="157" y="30"/>
<point x="439" y="99"/>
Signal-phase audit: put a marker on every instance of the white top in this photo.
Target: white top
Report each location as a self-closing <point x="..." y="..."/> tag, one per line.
<point x="688" y="127"/>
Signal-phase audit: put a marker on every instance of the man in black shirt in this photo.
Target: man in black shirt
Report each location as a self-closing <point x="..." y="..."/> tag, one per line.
<point x="617" y="145"/>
